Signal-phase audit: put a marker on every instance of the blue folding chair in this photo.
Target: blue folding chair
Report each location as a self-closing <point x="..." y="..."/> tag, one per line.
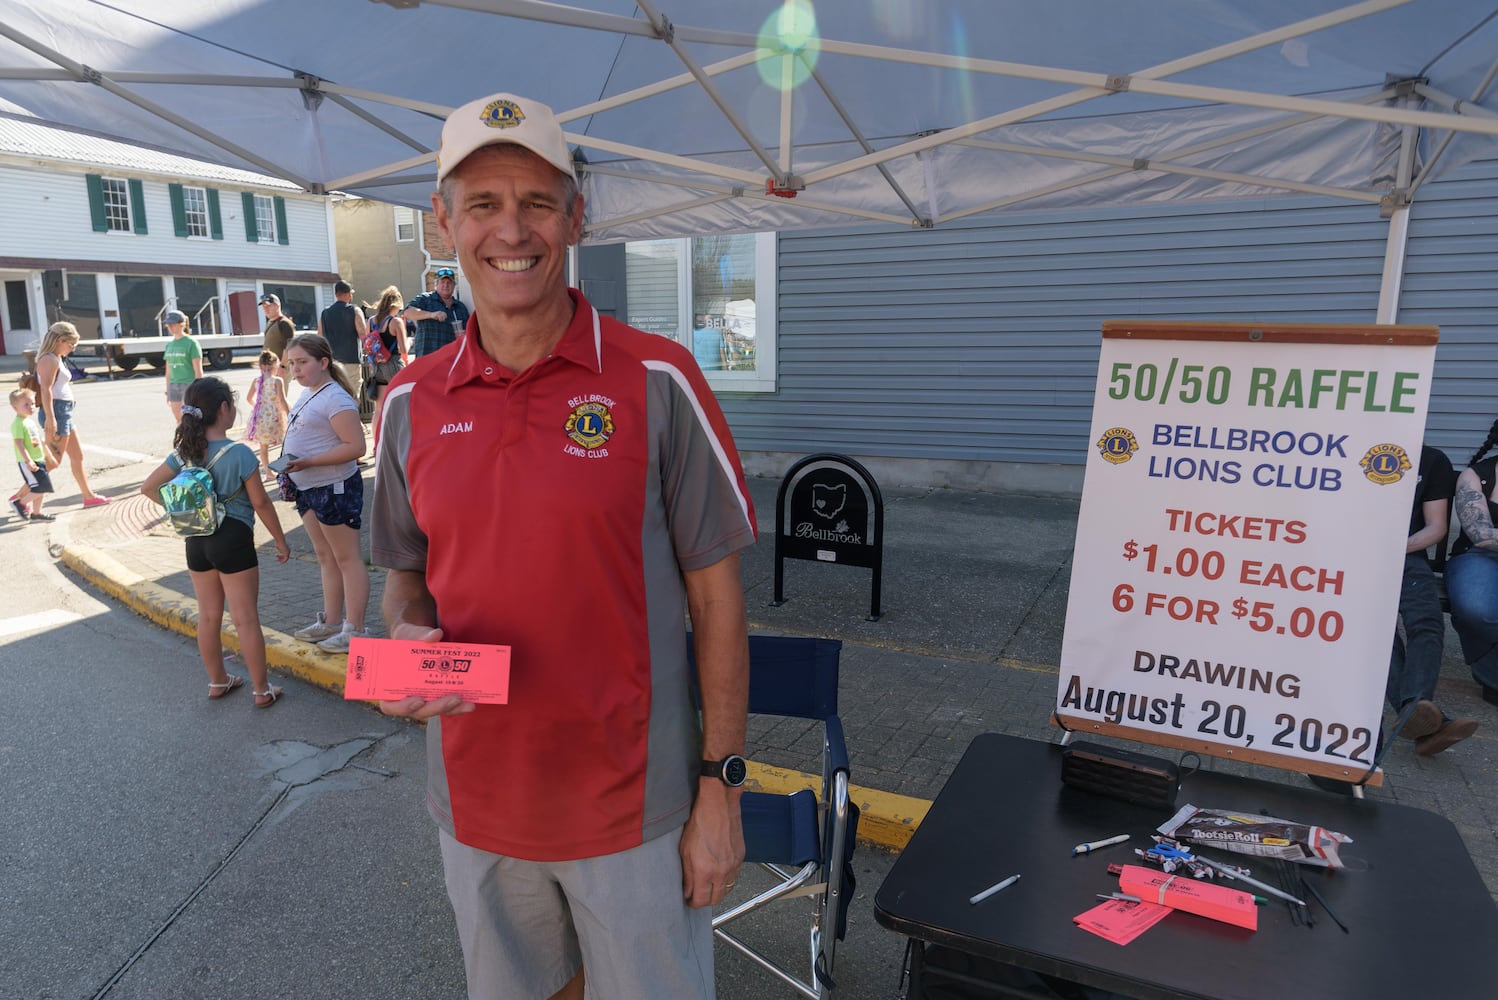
<point x="806" y="846"/>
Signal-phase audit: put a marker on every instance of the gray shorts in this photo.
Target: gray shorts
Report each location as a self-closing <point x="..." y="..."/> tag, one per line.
<point x="176" y="391"/>
<point x="526" y="926"/>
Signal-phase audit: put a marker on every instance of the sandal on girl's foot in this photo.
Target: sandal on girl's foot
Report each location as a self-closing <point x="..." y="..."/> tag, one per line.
<point x="271" y="694"/>
<point x="217" y="691"/>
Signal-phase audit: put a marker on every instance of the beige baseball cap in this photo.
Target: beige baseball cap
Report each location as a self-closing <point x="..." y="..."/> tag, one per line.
<point x="502" y="118"/>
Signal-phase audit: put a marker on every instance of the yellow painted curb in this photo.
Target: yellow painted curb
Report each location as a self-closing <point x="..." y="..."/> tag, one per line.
<point x="887" y="819"/>
<point x="179" y="613"/>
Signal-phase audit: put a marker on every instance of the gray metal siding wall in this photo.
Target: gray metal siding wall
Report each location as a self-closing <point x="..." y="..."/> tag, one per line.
<point x="1451" y="280"/>
<point x="979" y="341"/>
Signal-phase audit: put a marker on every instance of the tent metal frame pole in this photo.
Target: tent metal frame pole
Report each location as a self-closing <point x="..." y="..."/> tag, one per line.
<point x="745" y="177"/>
<point x="1396" y="243"/>
<point x="1163" y="165"/>
<point x="751" y="193"/>
<point x="87" y="74"/>
<point x="655" y="89"/>
<point x="858" y="136"/>
<point x="1097" y="85"/>
<point x="365" y="176"/>
<point x="1399" y="222"/>
<point x="1478" y="93"/>
<point x="390" y="130"/>
<point x="667" y="34"/>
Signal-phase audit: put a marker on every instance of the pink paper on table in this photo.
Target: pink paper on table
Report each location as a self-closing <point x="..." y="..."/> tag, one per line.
<point x="1121" y="921"/>
<point x="391" y="669"/>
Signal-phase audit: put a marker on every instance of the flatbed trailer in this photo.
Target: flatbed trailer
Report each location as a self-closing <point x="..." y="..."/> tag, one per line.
<point x="126" y="353"/>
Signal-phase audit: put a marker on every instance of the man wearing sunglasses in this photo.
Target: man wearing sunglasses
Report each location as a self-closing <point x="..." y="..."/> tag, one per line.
<point x="439" y="316"/>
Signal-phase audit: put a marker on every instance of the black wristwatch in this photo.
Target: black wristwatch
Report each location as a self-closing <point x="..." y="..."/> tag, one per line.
<point x="731" y="769"/>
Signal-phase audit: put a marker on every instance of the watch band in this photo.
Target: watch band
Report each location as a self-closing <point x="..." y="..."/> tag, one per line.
<point x="731" y="770"/>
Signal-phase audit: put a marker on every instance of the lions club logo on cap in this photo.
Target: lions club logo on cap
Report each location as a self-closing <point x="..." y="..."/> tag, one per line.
<point x="502" y="114"/>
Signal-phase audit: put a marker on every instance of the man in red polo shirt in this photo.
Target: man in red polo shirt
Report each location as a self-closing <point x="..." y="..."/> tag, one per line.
<point x="566" y="485"/>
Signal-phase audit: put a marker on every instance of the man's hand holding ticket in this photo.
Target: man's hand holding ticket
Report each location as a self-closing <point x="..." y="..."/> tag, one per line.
<point x="395" y="669"/>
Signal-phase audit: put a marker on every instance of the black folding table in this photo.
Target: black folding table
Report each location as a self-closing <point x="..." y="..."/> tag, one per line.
<point x="1421" y="922"/>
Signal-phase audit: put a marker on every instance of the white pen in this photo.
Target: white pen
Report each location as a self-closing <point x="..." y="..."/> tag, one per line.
<point x="1085" y="848"/>
<point x="993" y="889"/>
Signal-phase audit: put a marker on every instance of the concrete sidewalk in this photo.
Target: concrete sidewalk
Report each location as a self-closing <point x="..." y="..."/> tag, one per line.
<point x="974" y="601"/>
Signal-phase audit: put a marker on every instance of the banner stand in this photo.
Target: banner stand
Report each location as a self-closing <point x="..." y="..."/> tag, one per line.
<point x="1240" y="540"/>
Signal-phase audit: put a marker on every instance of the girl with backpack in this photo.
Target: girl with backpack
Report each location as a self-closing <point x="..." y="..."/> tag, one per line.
<point x="223" y="565"/>
<point x="385" y="346"/>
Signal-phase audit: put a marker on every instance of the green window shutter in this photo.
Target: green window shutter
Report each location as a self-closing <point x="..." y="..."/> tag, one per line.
<point x="96" y="202"/>
<point x="215" y="217"/>
<point x="281" y="235"/>
<point x="251" y="230"/>
<point x="138" y="206"/>
<point x="179" y="210"/>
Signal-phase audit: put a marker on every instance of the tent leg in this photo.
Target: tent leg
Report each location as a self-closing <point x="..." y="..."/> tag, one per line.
<point x="1399" y="227"/>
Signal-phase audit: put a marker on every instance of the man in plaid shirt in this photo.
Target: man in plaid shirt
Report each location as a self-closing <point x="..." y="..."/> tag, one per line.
<point x="439" y="316"/>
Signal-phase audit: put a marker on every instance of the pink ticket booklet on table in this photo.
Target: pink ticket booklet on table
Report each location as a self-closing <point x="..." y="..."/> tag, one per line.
<point x="392" y="669"/>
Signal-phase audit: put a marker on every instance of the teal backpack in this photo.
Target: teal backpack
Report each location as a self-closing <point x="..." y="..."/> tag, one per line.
<point x="192" y="505"/>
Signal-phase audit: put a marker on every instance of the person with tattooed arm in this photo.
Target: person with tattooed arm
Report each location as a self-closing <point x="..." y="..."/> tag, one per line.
<point x="1472" y="573"/>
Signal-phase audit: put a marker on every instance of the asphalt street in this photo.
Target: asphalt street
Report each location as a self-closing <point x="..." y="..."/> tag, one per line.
<point x="156" y="844"/>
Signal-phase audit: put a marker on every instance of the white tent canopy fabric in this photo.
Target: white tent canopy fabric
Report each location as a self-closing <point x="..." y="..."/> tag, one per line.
<point x="755" y="115"/>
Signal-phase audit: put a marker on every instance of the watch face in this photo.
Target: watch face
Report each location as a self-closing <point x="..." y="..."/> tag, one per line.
<point x="735" y="770"/>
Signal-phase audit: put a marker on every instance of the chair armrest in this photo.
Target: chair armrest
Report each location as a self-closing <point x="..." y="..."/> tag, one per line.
<point x="835" y="751"/>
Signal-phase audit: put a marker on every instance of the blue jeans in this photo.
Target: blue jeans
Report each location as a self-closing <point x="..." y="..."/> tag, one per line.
<point x="1415" y="663"/>
<point x="1472" y="583"/>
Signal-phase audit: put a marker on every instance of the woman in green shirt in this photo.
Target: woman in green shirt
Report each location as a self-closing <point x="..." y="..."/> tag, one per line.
<point x="184" y="361"/>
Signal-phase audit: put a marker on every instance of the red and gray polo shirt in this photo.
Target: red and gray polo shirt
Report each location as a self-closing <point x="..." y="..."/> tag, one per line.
<point x="554" y="511"/>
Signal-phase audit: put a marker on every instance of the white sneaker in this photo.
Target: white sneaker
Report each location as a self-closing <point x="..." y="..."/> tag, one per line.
<point x="339" y="643"/>
<point x="318" y="630"/>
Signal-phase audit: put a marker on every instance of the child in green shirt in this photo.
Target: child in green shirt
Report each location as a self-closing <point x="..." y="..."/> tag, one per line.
<point x="34" y="458"/>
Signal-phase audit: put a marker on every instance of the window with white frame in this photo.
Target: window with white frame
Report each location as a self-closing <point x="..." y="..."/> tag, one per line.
<point x="265" y="218"/>
<point x="405" y="224"/>
<point x="195" y="210"/>
<point x="116" y="205"/>
<point x="713" y="294"/>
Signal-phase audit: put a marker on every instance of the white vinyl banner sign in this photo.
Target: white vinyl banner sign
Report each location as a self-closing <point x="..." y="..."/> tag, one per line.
<point x="1240" y="543"/>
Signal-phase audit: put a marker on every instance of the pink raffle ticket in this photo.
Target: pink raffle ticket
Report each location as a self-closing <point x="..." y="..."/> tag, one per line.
<point x="392" y="669"/>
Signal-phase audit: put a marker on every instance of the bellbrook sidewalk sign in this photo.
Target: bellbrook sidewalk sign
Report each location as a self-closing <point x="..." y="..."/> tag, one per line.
<point x="1240" y="542"/>
<point x="829" y="509"/>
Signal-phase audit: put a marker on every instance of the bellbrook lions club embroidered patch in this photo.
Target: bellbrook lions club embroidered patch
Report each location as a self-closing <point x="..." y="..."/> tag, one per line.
<point x="589" y="427"/>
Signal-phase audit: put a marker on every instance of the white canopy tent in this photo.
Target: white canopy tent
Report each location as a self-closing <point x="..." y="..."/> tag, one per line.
<point x="755" y="115"/>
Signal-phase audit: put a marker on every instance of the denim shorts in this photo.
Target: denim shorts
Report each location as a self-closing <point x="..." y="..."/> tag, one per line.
<point x="63" y="410"/>
<point x="331" y="506"/>
<point x="176" y="391"/>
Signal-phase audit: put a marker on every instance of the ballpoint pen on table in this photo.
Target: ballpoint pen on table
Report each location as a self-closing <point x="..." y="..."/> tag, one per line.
<point x="1232" y="873"/>
<point x="993" y="889"/>
<point x="1096" y="844"/>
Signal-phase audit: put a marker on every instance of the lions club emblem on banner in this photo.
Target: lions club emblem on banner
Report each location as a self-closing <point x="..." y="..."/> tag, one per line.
<point x="1117" y="445"/>
<point x="1385" y="464"/>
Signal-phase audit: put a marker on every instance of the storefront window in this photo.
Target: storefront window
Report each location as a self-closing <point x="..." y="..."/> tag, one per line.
<point x="707" y="293"/>
<point x="299" y="302"/>
<point x="140" y="299"/>
<point x="192" y="295"/>
<point x="81" y="306"/>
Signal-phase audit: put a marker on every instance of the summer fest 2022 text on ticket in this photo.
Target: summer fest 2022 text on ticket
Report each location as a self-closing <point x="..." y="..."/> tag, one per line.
<point x="1240" y="542"/>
